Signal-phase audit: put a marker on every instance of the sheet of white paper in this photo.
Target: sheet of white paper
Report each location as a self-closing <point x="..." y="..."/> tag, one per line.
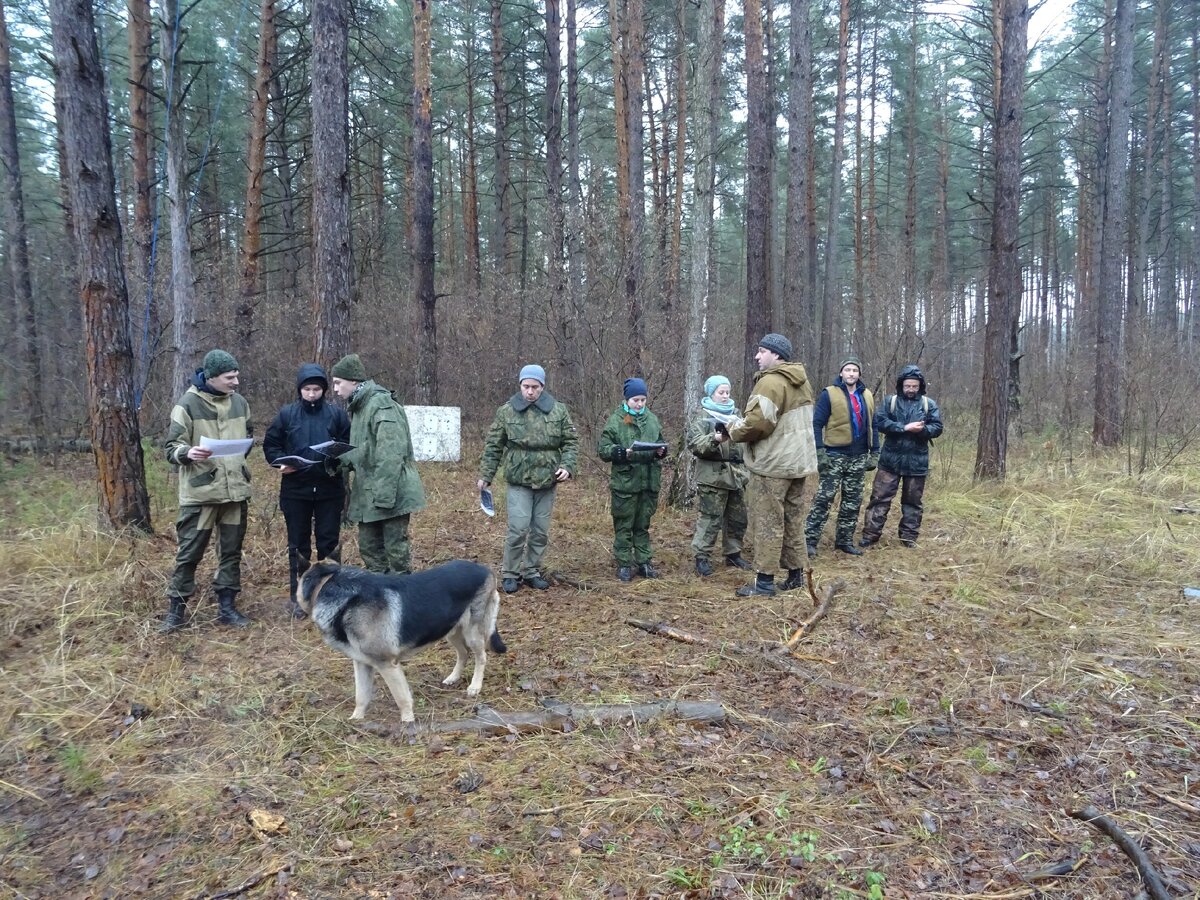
<point x="227" y="448"/>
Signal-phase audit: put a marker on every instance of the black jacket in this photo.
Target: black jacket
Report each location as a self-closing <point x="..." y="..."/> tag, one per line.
<point x="904" y="452"/>
<point x="297" y="427"/>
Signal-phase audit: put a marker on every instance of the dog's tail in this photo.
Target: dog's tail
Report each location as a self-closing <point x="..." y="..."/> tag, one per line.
<point x="497" y="642"/>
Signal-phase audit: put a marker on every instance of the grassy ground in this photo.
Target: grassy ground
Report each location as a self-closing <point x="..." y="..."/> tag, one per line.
<point x="1034" y="655"/>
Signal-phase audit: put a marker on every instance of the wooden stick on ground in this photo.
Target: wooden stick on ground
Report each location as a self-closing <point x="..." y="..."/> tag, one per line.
<point x="822" y="606"/>
<point x="1150" y="877"/>
<point x="247" y="885"/>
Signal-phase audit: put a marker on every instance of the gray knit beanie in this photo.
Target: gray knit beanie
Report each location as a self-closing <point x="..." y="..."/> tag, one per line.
<point x="777" y="344"/>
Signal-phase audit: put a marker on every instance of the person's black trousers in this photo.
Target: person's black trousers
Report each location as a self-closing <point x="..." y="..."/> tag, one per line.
<point x="304" y="516"/>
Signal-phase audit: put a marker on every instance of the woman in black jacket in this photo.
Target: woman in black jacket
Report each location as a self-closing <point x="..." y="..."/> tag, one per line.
<point x="309" y="497"/>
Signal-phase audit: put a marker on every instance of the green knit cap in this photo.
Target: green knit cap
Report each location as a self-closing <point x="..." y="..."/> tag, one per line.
<point x="349" y="368"/>
<point x="218" y="362"/>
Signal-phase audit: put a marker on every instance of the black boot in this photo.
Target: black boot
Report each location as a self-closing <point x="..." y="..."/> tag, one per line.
<point x="625" y="573"/>
<point x="848" y="547"/>
<point x="794" y="580"/>
<point x="647" y="571"/>
<point x="737" y="561"/>
<point x="175" y="613"/>
<point x="703" y="567"/>
<point x="229" y="614"/>
<point x="764" y="586"/>
<point x="812" y="550"/>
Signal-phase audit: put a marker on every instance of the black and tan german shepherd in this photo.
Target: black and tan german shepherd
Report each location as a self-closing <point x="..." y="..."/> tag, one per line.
<point x="381" y="620"/>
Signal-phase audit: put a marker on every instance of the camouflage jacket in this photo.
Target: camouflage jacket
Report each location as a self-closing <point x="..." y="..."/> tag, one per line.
<point x="777" y="427"/>
<point x="386" y="482"/>
<point x="634" y="472"/>
<point x="718" y="465"/>
<point x="200" y="413"/>
<point x="531" y="441"/>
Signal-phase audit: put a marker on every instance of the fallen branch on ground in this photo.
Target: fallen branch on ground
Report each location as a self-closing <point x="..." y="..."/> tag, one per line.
<point x="560" y="717"/>
<point x="246" y="885"/>
<point x="1033" y="707"/>
<point x="822" y="606"/>
<point x="1185" y="509"/>
<point x="1150" y="877"/>
<point x="1178" y="804"/>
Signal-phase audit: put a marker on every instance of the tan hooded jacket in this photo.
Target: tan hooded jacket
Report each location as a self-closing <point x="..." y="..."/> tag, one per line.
<point x="777" y="427"/>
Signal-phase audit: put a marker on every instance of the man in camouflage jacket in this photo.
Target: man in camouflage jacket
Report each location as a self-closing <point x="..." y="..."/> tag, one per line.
<point x="387" y="488"/>
<point x="213" y="490"/>
<point x="533" y="438"/>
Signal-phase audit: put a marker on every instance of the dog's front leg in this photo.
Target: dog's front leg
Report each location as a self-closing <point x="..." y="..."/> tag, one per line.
<point x="362" y="689"/>
<point x="398" y="685"/>
<point x="460" y="648"/>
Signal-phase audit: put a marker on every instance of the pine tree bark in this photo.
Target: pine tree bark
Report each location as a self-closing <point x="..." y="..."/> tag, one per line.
<point x="633" y="71"/>
<point x="116" y="442"/>
<point x="140" y="59"/>
<point x="574" y="219"/>
<point x="471" y="178"/>
<point x="185" y="315"/>
<point x="556" y="270"/>
<point x="30" y="375"/>
<point x="759" y="135"/>
<point x="832" y="294"/>
<point x="1106" y="426"/>
<point x="427" y="353"/>
<point x="333" y="274"/>
<point x="504" y="191"/>
<point x="1004" y="272"/>
<point x="256" y="156"/>
<point x="706" y="89"/>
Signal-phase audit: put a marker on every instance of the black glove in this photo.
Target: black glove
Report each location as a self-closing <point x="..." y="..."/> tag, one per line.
<point x="872" y="461"/>
<point x="822" y="462"/>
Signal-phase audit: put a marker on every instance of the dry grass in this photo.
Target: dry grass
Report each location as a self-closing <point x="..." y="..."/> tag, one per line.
<point x="1035" y="654"/>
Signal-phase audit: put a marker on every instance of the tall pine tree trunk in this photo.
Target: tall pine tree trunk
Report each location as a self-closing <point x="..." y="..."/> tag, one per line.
<point x="1106" y="427"/>
<point x="427" y="353"/>
<point x="1004" y="272"/>
<point x="185" y="315"/>
<point x="504" y="191"/>
<point x="256" y="156"/>
<point x="31" y="377"/>
<point x="333" y="272"/>
<point x="140" y="59"/>
<point x="759" y="134"/>
<point x="832" y="295"/>
<point x="116" y="442"/>
<point x="556" y="271"/>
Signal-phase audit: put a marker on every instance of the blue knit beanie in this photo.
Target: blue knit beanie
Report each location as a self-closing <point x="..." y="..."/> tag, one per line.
<point x="534" y="371"/>
<point x="714" y="382"/>
<point x="635" y="387"/>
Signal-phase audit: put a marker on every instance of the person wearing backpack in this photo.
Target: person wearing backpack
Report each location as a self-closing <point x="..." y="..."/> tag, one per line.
<point x="909" y="420"/>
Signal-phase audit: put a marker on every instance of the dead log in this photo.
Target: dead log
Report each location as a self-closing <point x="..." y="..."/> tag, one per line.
<point x="558" y="716"/>
<point x="1150" y="877"/>
<point x="822" y="607"/>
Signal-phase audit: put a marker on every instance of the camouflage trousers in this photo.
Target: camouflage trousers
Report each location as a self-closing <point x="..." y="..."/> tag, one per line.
<point x="384" y="546"/>
<point x="719" y="511"/>
<point x="842" y="473"/>
<point x="193" y="529"/>
<point x="777" y="521"/>
<point x="911" y="506"/>
<point x="529" y="511"/>
<point x="631" y="515"/>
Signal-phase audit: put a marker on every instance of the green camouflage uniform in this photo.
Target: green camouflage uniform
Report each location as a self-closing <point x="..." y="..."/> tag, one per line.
<point x="386" y="488"/>
<point x="531" y="441"/>
<point x="635" y="482"/>
<point x="720" y="482"/>
<point x="213" y="493"/>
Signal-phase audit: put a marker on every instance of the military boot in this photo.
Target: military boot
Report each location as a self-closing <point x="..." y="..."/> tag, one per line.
<point x="737" y="561"/>
<point x="703" y="566"/>
<point x="228" y="614"/>
<point x="175" y="613"/>
<point x="794" y="580"/>
<point x="764" y="586"/>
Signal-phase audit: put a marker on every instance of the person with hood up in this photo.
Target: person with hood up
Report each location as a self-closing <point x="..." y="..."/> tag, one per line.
<point x="534" y="439"/>
<point x="720" y="479"/>
<point x="213" y="490"/>
<point x="780" y="452"/>
<point x="847" y="448"/>
<point x="909" y="421"/>
<point x="310" y="497"/>
<point x="386" y="488"/>
<point x="635" y="480"/>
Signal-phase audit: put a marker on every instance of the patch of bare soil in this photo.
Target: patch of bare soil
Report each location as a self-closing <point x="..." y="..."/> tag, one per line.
<point x="929" y="738"/>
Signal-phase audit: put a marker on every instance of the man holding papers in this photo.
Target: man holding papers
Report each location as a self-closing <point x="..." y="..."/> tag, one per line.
<point x="310" y="497"/>
<point x="213" y="488"/>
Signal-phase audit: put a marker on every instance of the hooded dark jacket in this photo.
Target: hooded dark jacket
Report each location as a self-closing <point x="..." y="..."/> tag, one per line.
<point x="907" y="453"/>
<point x="297" y="427"/>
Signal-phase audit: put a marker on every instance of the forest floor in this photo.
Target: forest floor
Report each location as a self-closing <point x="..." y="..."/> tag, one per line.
<point x="1033" y="655"/>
